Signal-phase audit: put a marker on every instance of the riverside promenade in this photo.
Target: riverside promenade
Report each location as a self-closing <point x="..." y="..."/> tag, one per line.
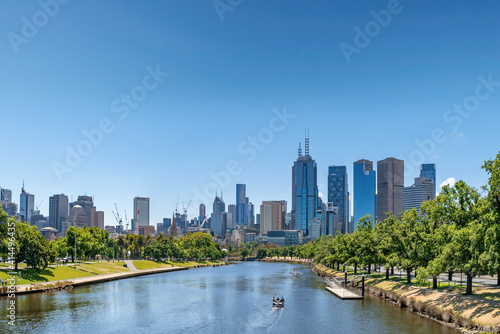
<point x="81" y="281"/>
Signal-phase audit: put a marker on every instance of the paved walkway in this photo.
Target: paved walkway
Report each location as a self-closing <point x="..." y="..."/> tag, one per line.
<point x="130" y="265"/>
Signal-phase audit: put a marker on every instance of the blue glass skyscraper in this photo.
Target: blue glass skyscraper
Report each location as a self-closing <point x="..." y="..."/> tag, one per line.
<point x="429" y="172"/>
<point x="338" y="194"/>
<point x="365" y="184"/>
<point x="304" y="190"/>
<point x="241" y="205"/>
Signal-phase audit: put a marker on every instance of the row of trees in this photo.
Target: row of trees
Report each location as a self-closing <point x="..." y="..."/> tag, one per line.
<point x="458" y="230"/>
<point x="24" y="243"/>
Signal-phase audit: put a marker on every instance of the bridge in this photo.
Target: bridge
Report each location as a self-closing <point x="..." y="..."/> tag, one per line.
<point x="338" y="286"/>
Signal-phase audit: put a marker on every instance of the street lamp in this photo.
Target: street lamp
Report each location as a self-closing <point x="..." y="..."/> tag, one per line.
<point x="75" y="246"/>
<point x="113" y="250"/>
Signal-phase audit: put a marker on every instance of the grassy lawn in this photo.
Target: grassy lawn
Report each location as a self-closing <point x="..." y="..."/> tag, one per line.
<point x="146" y="264"/>
<point x="103" y="268"/>
<point x="29" y="275"/>
<point x="45" y="275"/>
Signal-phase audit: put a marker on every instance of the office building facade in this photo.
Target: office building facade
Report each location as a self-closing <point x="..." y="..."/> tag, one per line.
<point x="241" y="205"/>
<point x="272" y="216"/>
<point x="390" y="184"/>
<point x="219" y="218"/>
<point x="338" y="194"/>
<point x="141" y="212"/>
<point x="365" y="183"/>
<point x="304" y="190"/>
<point x="58" y="210"/>
<point x="26" y="205"/>
<point x="422" y="190"/>
<point x="429" y="172"/>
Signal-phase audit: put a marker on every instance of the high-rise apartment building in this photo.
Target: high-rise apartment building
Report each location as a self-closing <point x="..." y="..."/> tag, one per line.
<point x="429" y="172"/>
<point x="421" y="191"/>
<point x="364" y="190"/>
<point x="58" y="210"/>
<point x="332" y="225"/>
<point x="338" y="194"/>
<point x="272" y="216"/>
<point x="390" y="184"/>
<point x="304" y="190"/>
<point x="141" y="212"/>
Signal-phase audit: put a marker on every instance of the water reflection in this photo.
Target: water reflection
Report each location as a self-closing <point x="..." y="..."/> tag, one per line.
<point x="232" y="299"/>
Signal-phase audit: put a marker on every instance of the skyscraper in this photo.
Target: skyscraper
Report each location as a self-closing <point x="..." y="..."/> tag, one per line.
<point x="331" y="220"/>
<point x="364" y="190"/>
<point x="27" y="205"/>
<point x="421" y="191"/>
<point x="338" y="194"/>
<point x="241" y="205"/>
<point x="272" y="216"/>
<point x="390" y="184"/>
<point x="5" y="195"/>
<point x="304" y="190"/>
<point x="141" y="212"/>
<point x="87" y="203"/>
<point x="202" y="211"/>
<point x="58" y="210"/>
<point x="429" y="171"/>
<point x="231" y="216"/>
<point x="219" y="219"/>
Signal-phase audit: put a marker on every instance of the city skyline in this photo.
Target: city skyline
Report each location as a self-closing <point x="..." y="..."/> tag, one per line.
<point x="407" y="95"/>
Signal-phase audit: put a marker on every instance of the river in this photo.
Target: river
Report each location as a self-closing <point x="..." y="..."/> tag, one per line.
<point x="230" y="299"/>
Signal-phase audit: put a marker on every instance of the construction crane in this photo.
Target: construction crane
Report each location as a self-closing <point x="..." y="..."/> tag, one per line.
<point x="117" y="217"/>
<point x="203" y="223"/>
<point x="177" y="204"/>
<point x="38" y="205"/>
<point x="186" y="208"/>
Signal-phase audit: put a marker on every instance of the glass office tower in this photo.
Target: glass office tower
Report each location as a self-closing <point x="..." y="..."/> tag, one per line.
<point x="304" y="190"/>
<point x="429" y="172"/>
<point x="364" y="190"/>
<point x="338" y="194"/>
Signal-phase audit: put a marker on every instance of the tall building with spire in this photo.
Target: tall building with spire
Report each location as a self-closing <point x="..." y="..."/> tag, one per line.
<point x="173" y="227"/>
<point x="304" y="190"/>
<point x="27" y="205"/>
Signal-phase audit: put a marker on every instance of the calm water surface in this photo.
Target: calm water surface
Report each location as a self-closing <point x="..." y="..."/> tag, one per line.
<point x="231" y="299"/>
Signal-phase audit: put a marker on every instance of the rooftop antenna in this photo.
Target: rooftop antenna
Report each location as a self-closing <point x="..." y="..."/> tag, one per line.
<point x="300" y="151"/>
<point x="307" y="142"/>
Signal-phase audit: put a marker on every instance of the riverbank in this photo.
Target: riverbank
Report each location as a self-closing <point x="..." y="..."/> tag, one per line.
<point x="87" y="278"/>
<point x="472" y="314"/>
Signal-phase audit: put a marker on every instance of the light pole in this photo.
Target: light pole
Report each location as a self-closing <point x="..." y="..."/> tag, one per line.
<point x="75" y="246"/>
<point x="113" y="250"/>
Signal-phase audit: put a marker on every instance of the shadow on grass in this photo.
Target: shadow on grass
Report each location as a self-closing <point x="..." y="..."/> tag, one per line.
<point x="35" y="274"/>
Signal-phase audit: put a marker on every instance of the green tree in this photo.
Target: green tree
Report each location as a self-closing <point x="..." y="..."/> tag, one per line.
<point x="468" y="233"/>
<point x="491" y="255"/>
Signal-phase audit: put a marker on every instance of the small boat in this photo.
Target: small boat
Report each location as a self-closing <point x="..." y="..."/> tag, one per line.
<point x="279" y="302"/>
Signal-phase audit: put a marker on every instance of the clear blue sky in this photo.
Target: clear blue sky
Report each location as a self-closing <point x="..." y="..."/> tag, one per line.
<point x="225" y="79"/>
